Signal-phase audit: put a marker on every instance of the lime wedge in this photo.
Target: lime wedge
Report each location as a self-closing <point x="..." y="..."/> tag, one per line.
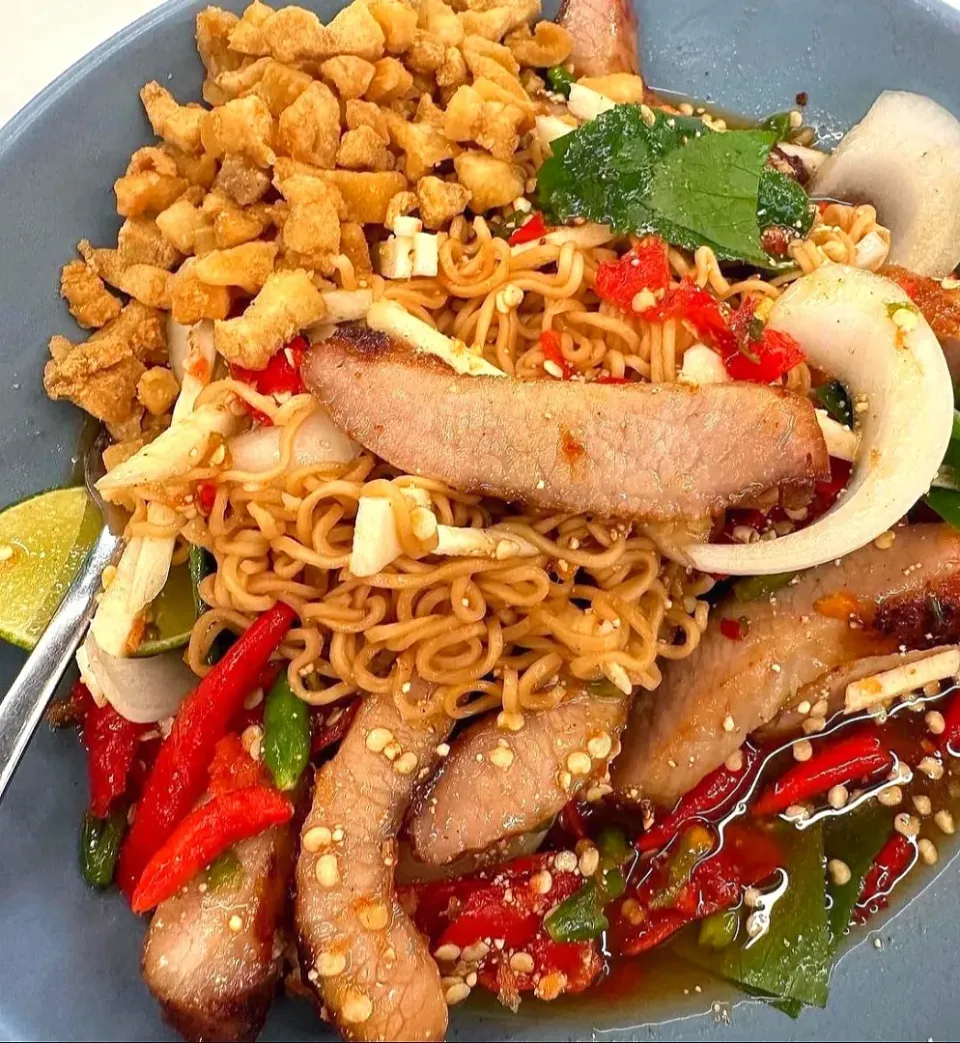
<point x="171" y="616"/>
<point x="43" y="542"/>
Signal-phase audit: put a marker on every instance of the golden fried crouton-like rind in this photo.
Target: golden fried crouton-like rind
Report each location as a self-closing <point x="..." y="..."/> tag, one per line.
<point x="622" y="87"/>
<point x="356" y="30"/>
<point x="301" y="183"/>
<point x="281" y="85"/>
<point x="453" y="72"/>
<point x="157" y="390"/>
<point x="152" y="158"/>
<point x="391" y="81"/>
<point x="244" y="126"/>
<point x="426" y="54"/>
<point x="312" y="228"/>
<point x="107" y="394"/>
<point x="349" y="75"/>
<point x="440" y="201"/>
<point x="214" y="26"/>
<point x="441" y="20"/>
<point x="178" y="125"/>
<point x="234" y="225"/>
<point x="199" y="170"/>
<point x="244" y="80"/>
<point x="310" y="127"/>
<point x="147" y="193"/>
<point x="363" y="149"/>
<point x="491" y="25"/>
<point x="477" y="46"/>
<point x="491" y="182"/>
<point x="242" y="180"/>
<point x="366" y="196"/>
<point x="148" y="285"/>
<point x="193" y="300"/>
<point x="106" y="263"/>
<point x="367" y="114"/>
<point x="549" y="44"/>
<point x="500" y="128"/>
<point x="462" y="118"/>
<point x="403" y="203"/>
<point x="140" y="241"/>
<point x="247" y="35"/>
<point x="293" y="34"/>
<point x="397" y="21"/>
<point x="88" y="299"/>
<point x="425" y="147"/>
<point x="180" y="223"/>
<point x="354" y="244"/>
<point x="247" y="266"/>
<point x="287" y="304"/>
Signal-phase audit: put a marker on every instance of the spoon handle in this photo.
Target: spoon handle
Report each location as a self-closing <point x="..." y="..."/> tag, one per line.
<point x="22" y="708"/>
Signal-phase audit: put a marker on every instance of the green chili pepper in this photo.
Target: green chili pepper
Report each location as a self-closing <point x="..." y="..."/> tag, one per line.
<point x="613" y="846"/>
<point x="752" y="588"/>
<point x="692" y="846"/>
<point x="835" y="400"/>
<point x="720" y="930"/>
<point x="604" y="689"/>
<point x="224" y="873"/>
<point x="99" y="845"/>
<point x="560" y="80"/>
<point x="579" y="917"/>
<point x="611" y="884"/>
<point x="286" y="734"/>
<point x="201" y="564"/>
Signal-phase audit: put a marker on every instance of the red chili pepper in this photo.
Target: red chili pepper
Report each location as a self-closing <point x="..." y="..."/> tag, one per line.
<point x="828" y="492"/>
<point x="179" y="776"/>
<point x="572" y="820"/>
<point x="949" y="741"/>
<point x="708" y="316"/>
<point x="203" y="835"/>
<point x="206" y="493"/>
<point x="897" y="857"/>
<point x="550" y="345"/>
<point x="508" y="904"/>
<point x="327" y="733"/>
<point x="762" y="355"/>
<point x="533" y="229"/>
<point x="281" y="374"/>
<point x="747" y="857"/>
<point x="711" y="795"/>
<point x="111" y="742"/>
<point x="233" y="768"/>
<point x="643" y="267"/>
<point x="612" y="380"/>
<point x="846" y="760"/>
<point x="735" y="629"/>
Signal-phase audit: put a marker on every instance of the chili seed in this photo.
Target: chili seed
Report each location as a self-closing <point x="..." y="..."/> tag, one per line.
<point x="378" y="739"/>
<point x="928" y="851"/>
<point x="328" y="871"/>
<point x="890" y="797"/>
<point x="235" y="923"/>
<point x="838" y="796"/>
<point x="931" y="767"/>
<point x="542" y="883"/>
<point x="839" y="871"/>
<point x="936" y="724"/>
<point x="316" y="839"/>
<point x="356" y="1008"/>
<point x="375" y="916"/>
<point x="803" y="750"/>
<point x="522" y="963"/>
<point x="457" y="993"/>
<point x="448" y="954"/>
<point x="945" y="823"/>
<point x="566" y="862"/>
<point x="906" y="825"/>
<point x="589" y="861"/>
<point x="330" y="964"/>
<point x="406" y="764"/>
<point x="923" y="804"/>
<point x="502" y="757"/>
<point x="599" y="746"/>
<point x="579" y="763"/>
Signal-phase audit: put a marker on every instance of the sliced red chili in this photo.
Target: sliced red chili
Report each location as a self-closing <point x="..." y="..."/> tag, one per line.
<point x="709" y="318"/>
<point x="897" y="857"/>
<point x="712" y="795"/>
<point x="206" y="494"/>
<point x="281" y="375"/>
<point x="233" y="768"/>
<point x="837" y="763"/>
<point x="204" y="834"/>
<point x="643" y="268"/>
<point x="735" y="629"/>
<point x="531" y="230"/>
<point x="111" y="742"/>
<point x="550" y="345"/>
<point x="333" y="727"/>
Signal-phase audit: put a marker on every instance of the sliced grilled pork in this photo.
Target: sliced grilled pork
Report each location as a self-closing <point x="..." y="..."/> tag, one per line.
<point x="367" y="963"/>
<point x="604" y="36"/>
<point x="940" y="306"/>
<point x="214" y="979"/>
<point x="870" y="604"/>
<point x="658" y="452"/>
<point x="497" y="784"/>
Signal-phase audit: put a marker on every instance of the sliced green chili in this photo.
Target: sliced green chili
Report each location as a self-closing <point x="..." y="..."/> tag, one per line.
<point x="560" y="80"/>
<point x="578" y="918"/>
<point x="201" y="564"/>
<point x="99" y="846"/>
<point x="720" y="930"/>
<point x="835" y="400"/>
<point x="286" y="734"/>
<point x="224" y="873"/>
<point x="752" y="588"/>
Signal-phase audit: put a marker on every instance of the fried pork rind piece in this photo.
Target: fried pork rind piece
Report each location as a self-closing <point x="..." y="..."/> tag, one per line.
<point x="101" y="375"/>
<point x="295" y="35"/>
<point x="367" y="195"/>
<point x="309" y="130"/>
<point x="178" y="125"/>
<point x="549" y="44"/>
<point x="214" y="26"/>
<point x="398" y="23"/>
<point x="149" y="285"/>
<point x="244" y="126"/>
<point x="247" y="266"/>
<point x="392" y="80"/>
<point x="242" y="180"/>
<point x="423" y="145"/>
<point x="353" y="243"/>
<point x="349" y="75"/>
<point x="157" y="390"/>
<point x="147" y="192"/>
<point x="89" y="300"/>
<point x="440" y="201"/>
<point x="287" y="304"/>
<point x="364" y="149"/>
<point x="193" y="300"/>
<point x="491" y="182"/>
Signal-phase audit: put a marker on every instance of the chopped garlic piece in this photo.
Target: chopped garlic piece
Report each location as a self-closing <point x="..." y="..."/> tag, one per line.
<point x="702" y="365"/>
<point x="396" y="257"/>
<point x="586" y="103"/>
<point x="882" y="688"/>
<point x="500" y="545"/>
<point x="841" y="441"/>
<point x="376" y="542"/>
<point x="872" y="251"/>
<point x="390" y="317"/>
<point x="426" y="254"/>
<point x="616" y="675"/>
<point x="407" y="226"/>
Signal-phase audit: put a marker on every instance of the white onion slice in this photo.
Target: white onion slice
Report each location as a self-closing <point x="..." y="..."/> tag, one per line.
<point x="841" y="317"/>
<point x="586" y="103"/>
<point x="141" y="690"/>
<point x="318" y="441"/>
<point x="904" y="158"/>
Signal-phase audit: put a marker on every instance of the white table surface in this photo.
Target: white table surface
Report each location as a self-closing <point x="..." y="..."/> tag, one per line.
<point x="45" y="37"/>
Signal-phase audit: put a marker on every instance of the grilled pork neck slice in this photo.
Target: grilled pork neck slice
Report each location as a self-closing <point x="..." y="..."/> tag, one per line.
<point x="604" y="36"/>
<point x="656" y="452"/>
<point x="214" y="981"/>
<point x="498" y="784"/>
<point x="370" y="968"/>
<point x="908" y="595"/>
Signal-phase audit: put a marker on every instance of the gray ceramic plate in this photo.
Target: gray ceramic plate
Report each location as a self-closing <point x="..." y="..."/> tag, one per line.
<point x="69" y="963"/>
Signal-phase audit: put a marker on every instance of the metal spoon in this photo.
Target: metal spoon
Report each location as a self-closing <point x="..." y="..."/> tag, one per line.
<point x="22" y="708"/>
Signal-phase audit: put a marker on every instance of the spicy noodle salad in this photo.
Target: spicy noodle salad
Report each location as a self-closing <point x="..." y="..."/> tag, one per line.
<point x="531" y="491"/>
